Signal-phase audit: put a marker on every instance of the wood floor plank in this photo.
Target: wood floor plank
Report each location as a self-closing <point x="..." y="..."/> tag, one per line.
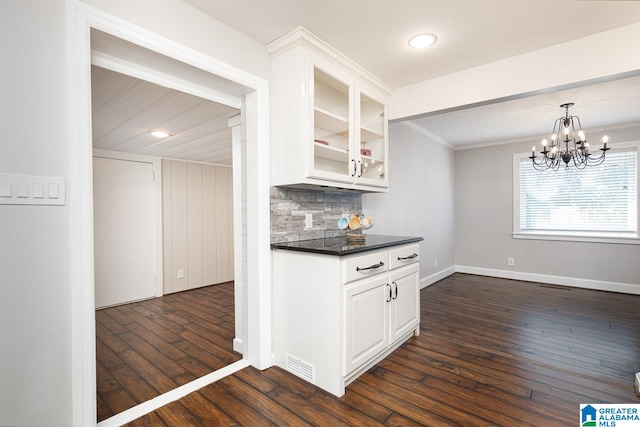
<point x="143" y="348"/>
<point x="414" y="407"/>
<point x="207" y="358"/>
<point x="304" y="408"/>
<point x="239" y="410"/>
<point x="206" y="413"/>
<point x="325" y="403"/>
<point x="154" y="356"/>
<point x="116" y="401"/>
<point x="496" y="352"/>
<point x="277" y="414"/>
<point x="370" y="407"/>
<point x="255" y="379"/>
<point x="106" y="356"/>
<point x="449" y="403"/>
<point x="149" y="420"/>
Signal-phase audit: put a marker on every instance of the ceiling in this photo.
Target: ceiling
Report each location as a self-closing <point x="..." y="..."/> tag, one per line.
<point x="125" y="109"/>
<point x="599" y="106"/>
<point x="374" y="34"/>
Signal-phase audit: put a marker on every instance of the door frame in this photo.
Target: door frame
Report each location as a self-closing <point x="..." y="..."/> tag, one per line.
<point x="81" y="18"/>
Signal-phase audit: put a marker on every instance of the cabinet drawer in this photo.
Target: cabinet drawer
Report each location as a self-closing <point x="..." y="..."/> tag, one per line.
<point x="404" y="255"/>
<point x="365" y="266"/>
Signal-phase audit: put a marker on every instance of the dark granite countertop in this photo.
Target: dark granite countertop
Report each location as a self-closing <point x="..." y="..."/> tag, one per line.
<point x="338" y="245"/>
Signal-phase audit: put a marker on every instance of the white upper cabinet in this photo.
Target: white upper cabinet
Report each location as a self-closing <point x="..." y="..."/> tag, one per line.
<point x="329" y="117"/>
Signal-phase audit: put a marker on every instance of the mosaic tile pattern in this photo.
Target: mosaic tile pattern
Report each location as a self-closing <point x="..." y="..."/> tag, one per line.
<point x="290" y="205"/>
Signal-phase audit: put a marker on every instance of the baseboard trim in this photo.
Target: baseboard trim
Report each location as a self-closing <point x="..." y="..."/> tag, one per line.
<point x="626" y="288"/>
<point x="238" y="345"/>
<point x="437" y="276"/>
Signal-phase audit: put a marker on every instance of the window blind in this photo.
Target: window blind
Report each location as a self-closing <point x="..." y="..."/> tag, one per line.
<point x="597" y="199"/>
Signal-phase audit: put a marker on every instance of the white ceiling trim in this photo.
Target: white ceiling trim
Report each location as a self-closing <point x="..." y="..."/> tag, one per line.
<point x="425" y="132"/>
<point x="169" y="81"/>
<point x="535" y="139"/>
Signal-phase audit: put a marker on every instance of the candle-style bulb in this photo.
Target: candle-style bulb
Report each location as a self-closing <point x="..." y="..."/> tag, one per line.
<point x="605" y="139"/>
<point x="544" y="142"/>
<point x="533" y="148"/>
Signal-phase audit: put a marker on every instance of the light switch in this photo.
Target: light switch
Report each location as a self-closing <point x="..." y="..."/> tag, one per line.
<point x="54" y="191"/>
<point x="32" y="190"/>
<point x="38" y="190"/>
<point x="5" y="188"/>
<point x="23" y="190"/>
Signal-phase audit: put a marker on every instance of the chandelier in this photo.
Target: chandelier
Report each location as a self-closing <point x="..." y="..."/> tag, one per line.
<point x="568" y="145"/>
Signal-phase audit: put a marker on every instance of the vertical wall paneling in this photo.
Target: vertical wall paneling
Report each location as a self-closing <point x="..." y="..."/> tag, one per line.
<point x="167" y="226"/>
<point x="194" y="225"/>
<point x="179" y="228"/>
<point x="222" y="231"/>
<point x="209" y="200"/>
<point x="198" y="225"/>
<point x="230" y="228"/>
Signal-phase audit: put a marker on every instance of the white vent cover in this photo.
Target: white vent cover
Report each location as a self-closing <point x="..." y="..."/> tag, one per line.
<point x="301" y="368"/>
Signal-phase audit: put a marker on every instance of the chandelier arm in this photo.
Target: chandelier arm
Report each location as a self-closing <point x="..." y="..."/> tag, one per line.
<point x="578" y="120"/>
<point x="579" y="164"/>
<point x="595" y="161"/>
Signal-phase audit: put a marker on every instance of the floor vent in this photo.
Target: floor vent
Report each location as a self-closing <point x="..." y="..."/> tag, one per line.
<point x="301" y="368"/>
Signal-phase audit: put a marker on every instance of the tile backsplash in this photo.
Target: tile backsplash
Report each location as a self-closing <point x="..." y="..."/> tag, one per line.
<point x="289" y="207"/>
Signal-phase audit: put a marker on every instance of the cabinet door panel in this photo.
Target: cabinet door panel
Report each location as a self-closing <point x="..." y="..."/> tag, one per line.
<point x="371" y="141"/>
<point x="365" y="321"/>
<point x="404" y="308"/>
<point x="332" y="95"/>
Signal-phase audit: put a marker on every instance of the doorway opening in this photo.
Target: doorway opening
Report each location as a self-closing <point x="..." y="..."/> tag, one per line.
<point x="163" y="223"/>
<point x="177" y="67"/>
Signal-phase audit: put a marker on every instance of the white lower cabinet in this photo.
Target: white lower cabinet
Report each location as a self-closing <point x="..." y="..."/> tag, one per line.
<point x="404" y="309"/>
<point x="335" y="317"/>
<point x="378" y="312"/>
<point x="366" y="321"/>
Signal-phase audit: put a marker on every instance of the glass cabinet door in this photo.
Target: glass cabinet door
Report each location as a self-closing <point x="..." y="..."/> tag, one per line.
<point x="373" y="147"/>
<point x="331" y="119"/>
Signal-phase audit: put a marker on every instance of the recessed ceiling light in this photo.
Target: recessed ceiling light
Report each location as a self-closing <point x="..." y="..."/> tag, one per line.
<point x="421" y="41"/>
<point x="159" y="134"/>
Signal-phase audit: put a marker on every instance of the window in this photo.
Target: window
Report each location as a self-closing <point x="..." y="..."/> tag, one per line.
<point x="598" y="203"/>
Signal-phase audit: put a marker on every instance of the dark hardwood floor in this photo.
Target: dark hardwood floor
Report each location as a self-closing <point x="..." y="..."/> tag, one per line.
<point x="147" y="348"/>
<point x="491" y="352"/>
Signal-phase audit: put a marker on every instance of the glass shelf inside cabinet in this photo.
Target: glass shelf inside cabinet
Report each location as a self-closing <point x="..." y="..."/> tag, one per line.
<point x="372" y="138"/>
<point x="330" y="124"/>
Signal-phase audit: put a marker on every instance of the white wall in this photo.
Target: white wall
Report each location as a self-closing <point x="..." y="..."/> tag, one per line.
<point x="184" y="24"/>
<point x="484" y="197"/>
<point x="420" y="201"/>
<point x="35" y="296"/>
<point x="35" y="364"/>
<point x="197" y="210"/>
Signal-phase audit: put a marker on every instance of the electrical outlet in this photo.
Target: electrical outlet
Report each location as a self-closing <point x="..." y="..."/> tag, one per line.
<point x="308" y="221"/>
<point x="181" y="274"/>
<point x="435" y="262"/>
<point x="511" y="261"/>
